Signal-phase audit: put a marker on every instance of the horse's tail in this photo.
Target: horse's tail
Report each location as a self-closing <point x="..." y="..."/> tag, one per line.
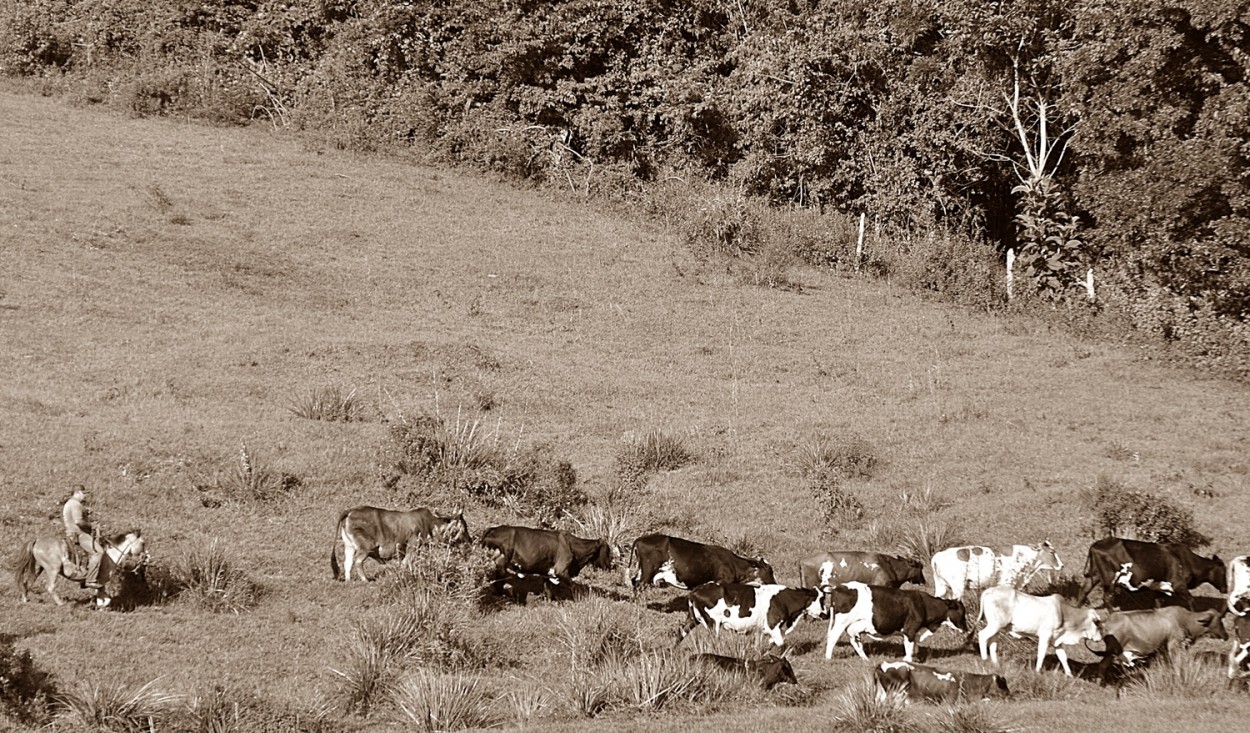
<point x="25" y="569"/>
<point x="334" y="546"/>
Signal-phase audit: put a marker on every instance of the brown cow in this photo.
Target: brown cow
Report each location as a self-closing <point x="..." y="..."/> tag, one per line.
<point x="385" y="534"/>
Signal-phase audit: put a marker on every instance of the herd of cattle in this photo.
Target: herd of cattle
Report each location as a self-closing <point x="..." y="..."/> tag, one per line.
<point x="860" y="594"/>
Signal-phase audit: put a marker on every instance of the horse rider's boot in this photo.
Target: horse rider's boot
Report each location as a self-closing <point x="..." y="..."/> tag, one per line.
<point x="93" y="572"/>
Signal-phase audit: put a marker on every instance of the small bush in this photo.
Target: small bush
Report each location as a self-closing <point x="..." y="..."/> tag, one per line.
<point x="453" y="572"/>
<point x="436" y="701"/>
<point x="1029" y="684"/>
<point x="859" y="709"/>
<point x="210" y="579"/>
<point x="115" y="706"/>
<point x="926" y="537"/>
<point x="26" y="691"/>
<point x="329" y="404"/>
<point x="726" y="226"/>
<point x="838" y="506"/>
<point x="247" y="480"/>
<point x="1123" y="512"/>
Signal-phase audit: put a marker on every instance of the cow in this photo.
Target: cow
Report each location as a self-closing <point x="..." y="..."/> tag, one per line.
<point x="1237" y="583"/>
<point x="771" y="609"/>
<point x="684" y="564"/>
<point x="1239" y="656"/>
<point x="771" y="670"/>
<point x="544" y="552"/>
<point x="930" y="684"/>
<point x="1166" y="567"/>
<point x="518" y="587"/>
<point x="1131" y="636"/>
<point x="858" y="608"/>
<point x="959" y="569"/>
<point x="386" y="534"/>
<point x="873" y="568"/>
<point x="1051" y="619"/>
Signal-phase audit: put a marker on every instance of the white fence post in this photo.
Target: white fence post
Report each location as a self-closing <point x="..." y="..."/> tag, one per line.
<point x="859" y="246"/>
<point x="1089" y="284"/>
<point x="1011" y="260"/>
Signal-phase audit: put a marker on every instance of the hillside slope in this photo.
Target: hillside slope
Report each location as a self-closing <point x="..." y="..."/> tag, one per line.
<point x="168" y="292"/>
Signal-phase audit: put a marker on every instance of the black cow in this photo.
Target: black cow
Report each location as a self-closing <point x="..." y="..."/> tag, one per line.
<point x="385" y="534"/>
<point x="934" y="685"/>
<point x="771" y="670"/>
<point x="685" y="564"/>
<point x="770" y="609"/>
<point x="878" y="612"/>
<point x="518" y="587"/>
<point x="544" y="552"/>
<point x="1166" y="567"/>
<point x="873" y="568"/>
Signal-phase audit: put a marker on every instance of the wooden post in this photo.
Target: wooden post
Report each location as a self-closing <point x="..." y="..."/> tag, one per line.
<point x="859" y="246"/>
<point x="1089" y="284"/>
<point x="1011" y="260"/>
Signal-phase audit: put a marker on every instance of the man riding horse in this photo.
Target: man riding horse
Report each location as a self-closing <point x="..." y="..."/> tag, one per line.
<point x="79" y="534"/>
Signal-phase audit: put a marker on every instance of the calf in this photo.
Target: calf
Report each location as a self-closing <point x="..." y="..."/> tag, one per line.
<point x="518" y="587"/>
<point x="685" y="564"/>
<point x="545" y="552"/>
<point x="1131" y="636"/>
<point x="859" y="609"/>
<point x="770" y="609"/>
<point x="934" y="685"/>
<point x="1050" y="618"/>
<point x="771" y="671"/>
<point x="386" y="534"/>
<point x="1166" y="567"/>
<point x="1238" y="583"/>
<point x="873" y="568"/>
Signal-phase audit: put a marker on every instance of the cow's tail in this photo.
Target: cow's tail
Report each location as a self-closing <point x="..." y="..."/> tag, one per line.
<point x="334" y="546"/>
<point x="25" y="569"/>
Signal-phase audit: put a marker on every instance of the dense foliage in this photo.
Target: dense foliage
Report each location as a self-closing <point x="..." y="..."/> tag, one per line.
<point x="1083" y="135"/>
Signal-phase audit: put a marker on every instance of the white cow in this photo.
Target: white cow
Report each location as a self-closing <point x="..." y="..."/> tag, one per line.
<point x="1051" y="619"/>
<point x="1239" y="585"/>
<point x="957" y="569"/>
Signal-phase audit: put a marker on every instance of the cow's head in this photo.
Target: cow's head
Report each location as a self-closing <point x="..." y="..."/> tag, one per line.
<point x="1209" y="623"/>
<point x="762" y="572"/>
<point x="452" y="529"/>
<point x="818" y="608"/>
<point x="1047" y="558"/>
<point x="956" y="615"/>
<point x="1078" y="624"/>
<point x="908" y="570"/>
<point x="773" y="670"/>
<point x="999" y="687"/>
<point x="603" y="556"/>
<point x="1214" y="572"/>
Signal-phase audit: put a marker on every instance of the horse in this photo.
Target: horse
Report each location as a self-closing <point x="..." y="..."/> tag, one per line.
<point x="51" y="555"/>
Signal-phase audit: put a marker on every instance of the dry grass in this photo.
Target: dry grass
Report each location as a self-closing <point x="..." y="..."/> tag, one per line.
<point x="115" y="705"/>
<point x="140" y="352"/>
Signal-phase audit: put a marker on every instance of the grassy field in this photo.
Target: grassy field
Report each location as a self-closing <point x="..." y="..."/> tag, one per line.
<point x="168" y="292"/>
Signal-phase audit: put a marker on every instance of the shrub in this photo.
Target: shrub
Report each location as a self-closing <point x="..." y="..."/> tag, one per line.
<point x="436" y="701"/>
<point x="330" y="404"/>
<point x="115" y="706"/>
<point x="837" y="505"/>
<point x="26" y="691"/>
<point x="726" y="225"/>
<point x="859" y="709"/>
<point x="926" y="537"/>
<point x="1179" y="673"/>
<point x="453" y="572"/>
<point x="1122" y="512"/>
<point x="210" y="579"/>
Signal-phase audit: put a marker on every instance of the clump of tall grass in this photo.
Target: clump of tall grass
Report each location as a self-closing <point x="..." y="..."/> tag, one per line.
<point x="657" y="680"/>
<point x="1179" y="672"/>
<point x="861" y="708"/>
<point x="966" y="718"/>
<point x="526" y="701"/>
<point x="115" y="705"/>
<point x="454" y="572"/>
<point x="597" y="632"/>
<point x="231" y="709"/>
<point x="329" y="404"/>
<point x="247" y="479"/>
<point x="926" y="537"/>
<point x="209" y="578"/>
<point x="1029" y="684"/>
<point x="850" y="458"/>
<point x="438" y="701"/>
<point x="641" y="456"/>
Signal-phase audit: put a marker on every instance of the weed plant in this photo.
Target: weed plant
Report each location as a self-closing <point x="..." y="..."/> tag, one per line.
<point x="114" y="705"/>
<point x="438" y="701"/>
<point x="26" y="691"/>
<point x="329" y="404"/>
<point x="641" y="456"/>
<point x="1179" y="673"/>
<point x="966" y="718"/>
<point x="209" y="578"/>
<point x="859" y="708"/>
<point x="925" y="537"/>
<point x="249" y="479"/>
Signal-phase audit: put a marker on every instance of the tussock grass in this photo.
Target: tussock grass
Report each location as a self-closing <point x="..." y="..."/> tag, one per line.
<point x="656" y="680"/>
<point x="613" y="522"/>
<point x="859" y="708"/>
<point x="966" y="718"/>
<point x="640" y="456"/>
<point x="437" y="701"/>
<point x="208" y="577"/>
<point x="454" y="572"/>
<point x="1029" y="684"/>
<point x="597" y="632"/>
<point x="1179" y="673"/>
<point x="115" y="705"/>
<point x="248" y="479"/>
<point x="925" y="537"/>
<point x="329" y="404"/>
<point x="849" y="458"/>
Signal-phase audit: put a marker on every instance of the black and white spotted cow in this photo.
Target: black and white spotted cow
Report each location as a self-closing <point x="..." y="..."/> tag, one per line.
<point x="1239" y="657"/>
<point x="930" y="684"/>
<point x="1238" y="582"/>
<point x="771" y="609"/>
<point x="1164" y="567"/>
<point x="873" y="568"/>
<point x="681" y="563"/>
<point x="875" y="611"/>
